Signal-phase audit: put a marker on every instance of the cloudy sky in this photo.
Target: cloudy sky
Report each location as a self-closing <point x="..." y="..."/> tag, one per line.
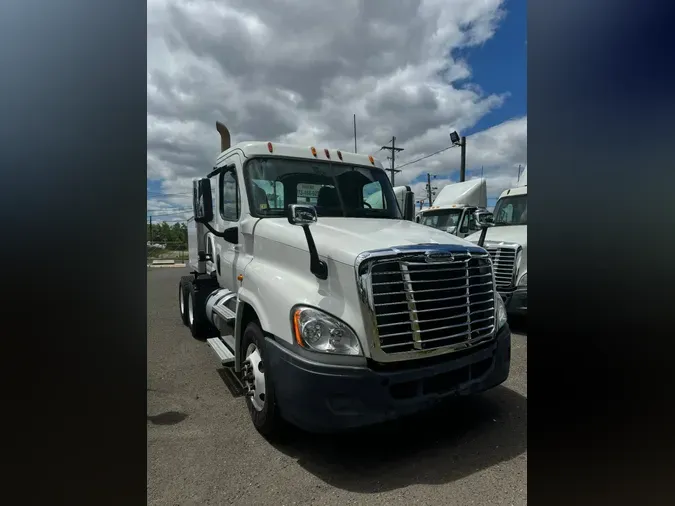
<point x="297" y="70"/>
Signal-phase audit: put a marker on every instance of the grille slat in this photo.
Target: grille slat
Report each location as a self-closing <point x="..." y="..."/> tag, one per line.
<point x="504" y="265"/>
<point x="425" y="306"/>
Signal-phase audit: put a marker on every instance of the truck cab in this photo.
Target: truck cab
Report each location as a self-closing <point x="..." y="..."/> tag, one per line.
<point x="507" y="244"/>
<point x="454" y="208"/>
<point x="334" y="312"/>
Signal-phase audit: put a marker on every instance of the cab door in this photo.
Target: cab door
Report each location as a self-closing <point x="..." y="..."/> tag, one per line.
<point x="468" y="223"/>
<point x="229" y="214"/>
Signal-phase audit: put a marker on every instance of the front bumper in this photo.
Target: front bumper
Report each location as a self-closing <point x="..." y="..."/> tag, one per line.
<point x="515" y="301"/>
<point x="325" y="398"/>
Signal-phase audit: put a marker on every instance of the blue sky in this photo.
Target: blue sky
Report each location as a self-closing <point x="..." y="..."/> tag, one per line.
<point x="499" y="66"/>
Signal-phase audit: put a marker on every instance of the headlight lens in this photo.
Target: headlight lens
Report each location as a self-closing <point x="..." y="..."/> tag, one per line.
<point x="501" y="311"/>
<point x="318" y="331"/>
<point x="523" y="281"/>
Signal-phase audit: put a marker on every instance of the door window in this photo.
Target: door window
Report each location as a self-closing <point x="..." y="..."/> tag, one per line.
<point x="230" y="204"/>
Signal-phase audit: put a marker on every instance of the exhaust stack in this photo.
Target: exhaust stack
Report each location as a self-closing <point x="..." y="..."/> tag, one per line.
<point x="225" y="141"/>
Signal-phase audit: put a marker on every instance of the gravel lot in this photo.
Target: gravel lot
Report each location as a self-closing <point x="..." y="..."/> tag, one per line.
<point x="203" y="449"/>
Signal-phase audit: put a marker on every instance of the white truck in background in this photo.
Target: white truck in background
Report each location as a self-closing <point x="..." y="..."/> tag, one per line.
<point x="334" y="314"/>
<point x="454" y="207"/>
<point x="401" y="192"/>
<point x="506" y="242"/>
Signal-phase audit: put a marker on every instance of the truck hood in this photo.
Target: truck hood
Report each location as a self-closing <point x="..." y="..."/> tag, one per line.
<point x="343" y="239"/>
<point x="508" y="233"/>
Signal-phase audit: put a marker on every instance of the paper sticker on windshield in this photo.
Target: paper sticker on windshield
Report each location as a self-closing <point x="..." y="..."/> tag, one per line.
<point x="262" y="206"/>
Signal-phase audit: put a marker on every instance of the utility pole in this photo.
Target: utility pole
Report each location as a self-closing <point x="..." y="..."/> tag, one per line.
<point x="462" y="168"/>
<point x="393" y="150"/>
<point x="151" y="241"/>
<point x="355" y="134"/>
<point x="518" y="181"/>
<point x="430" y="189"/>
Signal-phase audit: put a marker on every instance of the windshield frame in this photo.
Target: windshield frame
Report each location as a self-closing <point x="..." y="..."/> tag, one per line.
<point x="386" y="187"/>
<point x="510" y="198"/>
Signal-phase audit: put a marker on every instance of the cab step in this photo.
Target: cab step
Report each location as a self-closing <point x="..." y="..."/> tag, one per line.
<point x="224" y="353"/>
<point x="225" y="313"/>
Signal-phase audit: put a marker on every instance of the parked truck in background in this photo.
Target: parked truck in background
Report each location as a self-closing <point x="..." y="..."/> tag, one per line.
<point x="507" y="244"/>
<point x="402" y="193"/>
<point x="334" y="314"/>
<point x="454" y="207"/>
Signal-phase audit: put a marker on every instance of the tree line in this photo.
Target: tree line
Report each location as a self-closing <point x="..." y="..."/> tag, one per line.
<point x="175" y="236"/>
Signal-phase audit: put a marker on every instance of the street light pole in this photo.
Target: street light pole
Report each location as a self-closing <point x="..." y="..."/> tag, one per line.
<point x="461" y="142"/>
<point x="462" y="167"/>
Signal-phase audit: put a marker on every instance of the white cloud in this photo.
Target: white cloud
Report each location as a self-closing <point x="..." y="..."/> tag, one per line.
<point x="296" y="71"/>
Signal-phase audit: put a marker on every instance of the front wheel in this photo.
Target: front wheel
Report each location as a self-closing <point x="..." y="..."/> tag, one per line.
<point x="260" y="398"/>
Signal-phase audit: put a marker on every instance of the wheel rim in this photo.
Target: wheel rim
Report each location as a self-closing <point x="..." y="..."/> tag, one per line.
<point x="181" y="300"/>
<point x="191" y="313"/>
<point x="254" y="376"/>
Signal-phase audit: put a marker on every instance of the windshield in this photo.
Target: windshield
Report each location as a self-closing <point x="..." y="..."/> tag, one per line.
<point x="334" y="189"/>
<point x="511" y="210"/>
<point x="442" y="219"/>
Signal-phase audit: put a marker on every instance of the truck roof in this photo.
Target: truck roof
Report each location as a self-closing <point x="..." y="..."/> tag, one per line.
<point x="258" y="148"/>
<point x="518" y="190"/>
<point x="472" y="193"/>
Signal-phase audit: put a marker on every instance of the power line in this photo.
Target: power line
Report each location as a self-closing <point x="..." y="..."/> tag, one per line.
<point x="172" y="213"/>
<point x="159" y="194"/>
<point x="424" y="157"/>
<point x="166" y="209"/>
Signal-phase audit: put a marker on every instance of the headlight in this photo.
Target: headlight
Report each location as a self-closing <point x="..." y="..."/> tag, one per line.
<point x="318" y="331"/>
<point x="523" y="281"/>
<point x="501" y="311"/>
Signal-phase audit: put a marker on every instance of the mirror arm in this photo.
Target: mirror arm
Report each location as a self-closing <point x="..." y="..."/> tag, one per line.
<point x="222" y="235"/>
<point x="481" y="239"/>
<point x="218" y="170"/>
<point x="214" y="231"/>
<point x="317" y="266"/>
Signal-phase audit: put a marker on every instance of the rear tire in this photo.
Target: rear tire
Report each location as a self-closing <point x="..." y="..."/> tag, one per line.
<point x="198" y="324"/>
<point x="185" y="281"/>
<point x="264" y="411"/>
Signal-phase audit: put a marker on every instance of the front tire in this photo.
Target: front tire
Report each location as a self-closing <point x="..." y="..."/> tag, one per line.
<point x="260" y="398"/>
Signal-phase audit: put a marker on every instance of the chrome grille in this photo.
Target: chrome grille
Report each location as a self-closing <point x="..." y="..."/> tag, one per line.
<point x="424" y="306"/>
<point x="504" y="264"/>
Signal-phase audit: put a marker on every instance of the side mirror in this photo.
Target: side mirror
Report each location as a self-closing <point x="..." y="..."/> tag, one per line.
<point x="301" y="215"/>
<point x="409" y="205"/>
<point x="202" y="202"/>
<point x="484" y="218"/>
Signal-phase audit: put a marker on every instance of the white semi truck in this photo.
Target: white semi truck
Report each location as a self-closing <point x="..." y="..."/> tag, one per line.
<point x="375" y="200"/>
<point x="334" y="314"/>
<point x="507" y="244"/>
<point x="454" y="207"/>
